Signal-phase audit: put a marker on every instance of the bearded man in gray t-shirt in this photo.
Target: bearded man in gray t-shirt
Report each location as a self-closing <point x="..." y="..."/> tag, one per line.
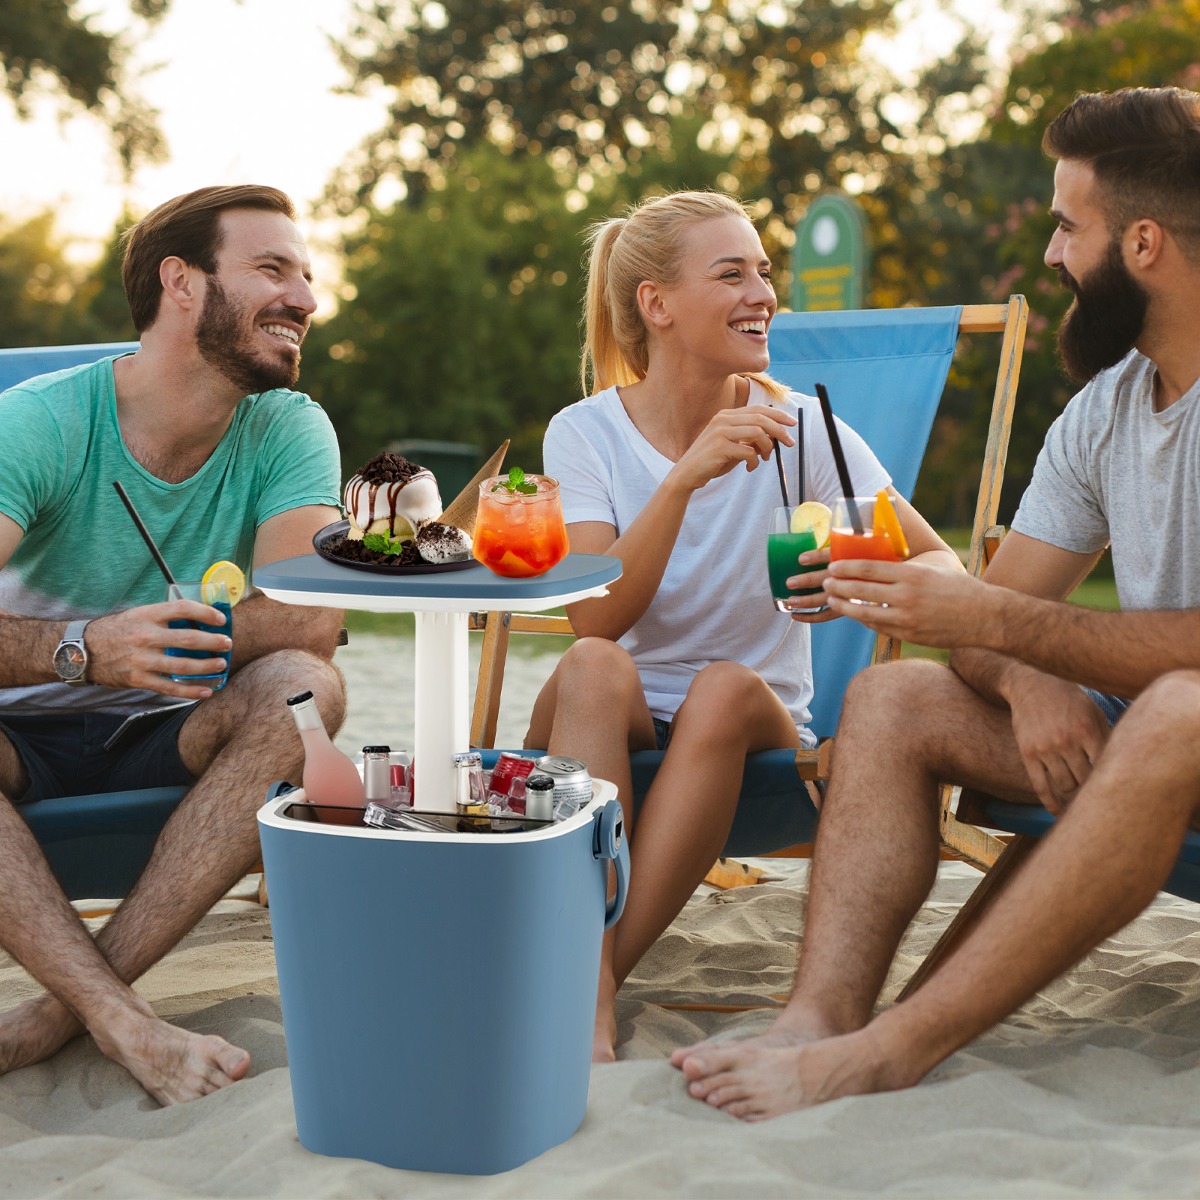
<point x="1027" y="709"/>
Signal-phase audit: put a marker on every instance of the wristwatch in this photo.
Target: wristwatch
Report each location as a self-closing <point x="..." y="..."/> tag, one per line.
<point x="70" y="656"/>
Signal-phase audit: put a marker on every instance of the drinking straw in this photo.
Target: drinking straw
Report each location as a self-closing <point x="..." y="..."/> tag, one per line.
<point x="158" y="558"/>
<point x="782" y="481"/>
<point x="835" y="444"/>
<point x="800" y="456"/>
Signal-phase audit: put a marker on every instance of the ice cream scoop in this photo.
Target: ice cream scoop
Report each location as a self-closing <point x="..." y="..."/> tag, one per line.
<point x="390" y="495"/>
<point x="439" y="544"/>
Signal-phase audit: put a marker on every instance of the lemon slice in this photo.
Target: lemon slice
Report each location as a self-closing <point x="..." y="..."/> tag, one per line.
<point x="814" y="515"/>
<point x="887" y="524"/>
<point x="230" y="574"/>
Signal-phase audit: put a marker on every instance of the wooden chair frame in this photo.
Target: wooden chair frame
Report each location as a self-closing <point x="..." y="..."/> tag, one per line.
<point x="963" y="839"/>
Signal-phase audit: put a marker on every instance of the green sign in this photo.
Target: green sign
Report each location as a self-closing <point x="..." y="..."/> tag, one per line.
<point x="830" y="261"/>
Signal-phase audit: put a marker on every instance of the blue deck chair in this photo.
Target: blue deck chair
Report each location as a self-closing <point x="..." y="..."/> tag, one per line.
<point x="885" y="370"/>
<point x="96" y="845"/>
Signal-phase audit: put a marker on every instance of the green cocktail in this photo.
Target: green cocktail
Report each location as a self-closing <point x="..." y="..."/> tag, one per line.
<point x="792" y="531"/>
<point x="783" y="549"/>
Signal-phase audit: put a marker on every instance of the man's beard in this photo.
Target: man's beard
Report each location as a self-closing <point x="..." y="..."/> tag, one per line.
<point x="224" y="338"/>
<point x="1105" y="320"/>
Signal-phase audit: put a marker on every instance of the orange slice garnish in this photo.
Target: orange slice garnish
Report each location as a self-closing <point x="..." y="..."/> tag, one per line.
<point x="887" y="524"/>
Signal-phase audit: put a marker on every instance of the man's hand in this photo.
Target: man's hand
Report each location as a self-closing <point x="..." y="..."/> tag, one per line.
<point x="917" y="602"/>
<point x="129" y="649"/>
<point x="1060" y="733"/>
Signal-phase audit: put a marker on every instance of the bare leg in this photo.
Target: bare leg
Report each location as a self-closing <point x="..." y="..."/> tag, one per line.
<point x="877" y="842"/>
<point x="593" y="709"/>
<point x="728" y="712"/>
<point x="238" y="743"/>
<point x="1105" y="861"/>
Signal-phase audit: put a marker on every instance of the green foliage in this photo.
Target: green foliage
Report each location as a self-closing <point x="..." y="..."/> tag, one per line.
<point x="460" y="314"/>
<point x="44" y="40"/>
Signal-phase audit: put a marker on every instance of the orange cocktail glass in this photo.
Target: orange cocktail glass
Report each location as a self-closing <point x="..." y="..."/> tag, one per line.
<point x="519" y="534"/>
<point x="873" y="542"/>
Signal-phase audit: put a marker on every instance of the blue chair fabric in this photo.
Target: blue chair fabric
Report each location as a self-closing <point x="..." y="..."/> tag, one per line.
<point x="96" y="845"/>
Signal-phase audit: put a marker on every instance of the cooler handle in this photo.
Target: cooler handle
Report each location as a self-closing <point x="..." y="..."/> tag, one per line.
<point x="609" y="843"/>
<point x="280" y="787"/>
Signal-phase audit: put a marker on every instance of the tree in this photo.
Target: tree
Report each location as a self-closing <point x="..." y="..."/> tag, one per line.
<point x="43" y="42"/>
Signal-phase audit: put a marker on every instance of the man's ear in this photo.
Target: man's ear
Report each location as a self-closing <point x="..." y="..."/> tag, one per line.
<point x="178" y="281"/>
<point x="1145" y="241"/>
<point x="652" y="303"/>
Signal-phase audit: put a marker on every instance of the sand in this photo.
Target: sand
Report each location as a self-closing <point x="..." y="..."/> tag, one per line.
<point x="1089" y="1090"/>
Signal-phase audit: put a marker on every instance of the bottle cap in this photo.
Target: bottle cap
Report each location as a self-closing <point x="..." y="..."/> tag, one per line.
<point x="300" y="697"/>
<point x="377" y="749"/>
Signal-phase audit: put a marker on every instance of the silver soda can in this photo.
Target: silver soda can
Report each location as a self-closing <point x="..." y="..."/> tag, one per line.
<point x="572" y="783"/>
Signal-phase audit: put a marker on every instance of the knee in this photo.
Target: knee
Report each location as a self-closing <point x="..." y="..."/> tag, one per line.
<point x="723" y="697"/>
<point x="267" y="682"/>
<point x="1170" y="707"/>
<point x="595" y="668"/>
<point x="903" y="692"/>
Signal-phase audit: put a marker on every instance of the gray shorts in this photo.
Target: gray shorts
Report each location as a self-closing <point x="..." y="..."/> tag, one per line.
<point x="76" y="754"/>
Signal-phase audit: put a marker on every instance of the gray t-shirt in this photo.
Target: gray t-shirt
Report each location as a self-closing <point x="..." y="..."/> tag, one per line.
<point x="1115" y="471"/>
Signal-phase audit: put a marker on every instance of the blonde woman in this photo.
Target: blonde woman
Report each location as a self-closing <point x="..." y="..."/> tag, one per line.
<point x="658" y="468"/>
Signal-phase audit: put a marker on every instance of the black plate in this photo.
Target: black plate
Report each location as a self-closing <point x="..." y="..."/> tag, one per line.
<point x="323" y="537"/>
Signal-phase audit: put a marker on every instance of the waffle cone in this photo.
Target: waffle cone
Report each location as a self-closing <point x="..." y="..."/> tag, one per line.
<point x="461" y="511"/>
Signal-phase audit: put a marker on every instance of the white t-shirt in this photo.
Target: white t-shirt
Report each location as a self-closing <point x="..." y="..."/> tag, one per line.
<point x="1113" y="470"/>
<point x="714" y="603"/>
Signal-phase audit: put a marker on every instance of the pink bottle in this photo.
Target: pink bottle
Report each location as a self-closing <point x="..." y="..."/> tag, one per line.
<point x="330" y="778"/>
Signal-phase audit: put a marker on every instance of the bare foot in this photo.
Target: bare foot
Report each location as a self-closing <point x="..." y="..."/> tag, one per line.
<point x="787" y="1030"/>
<point x="754" y="1080"/>
<point x="172" y="1064"/>
<point x="604" y="1039"/>
<point x="33" y="1031"/>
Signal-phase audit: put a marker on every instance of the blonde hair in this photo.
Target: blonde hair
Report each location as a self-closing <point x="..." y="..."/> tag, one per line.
<point x="647" y="243"/>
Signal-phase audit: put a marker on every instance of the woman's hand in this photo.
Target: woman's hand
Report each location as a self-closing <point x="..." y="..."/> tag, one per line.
<point x="814" y="609"/>
<point x="734" y="435"/>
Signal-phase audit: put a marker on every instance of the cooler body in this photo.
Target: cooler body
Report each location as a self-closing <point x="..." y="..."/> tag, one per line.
<point x="438" y="990"/>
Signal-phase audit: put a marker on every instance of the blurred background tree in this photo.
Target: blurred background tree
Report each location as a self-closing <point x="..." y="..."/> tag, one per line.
<point x="514" y="125"/>
<point x="46" y="46"/>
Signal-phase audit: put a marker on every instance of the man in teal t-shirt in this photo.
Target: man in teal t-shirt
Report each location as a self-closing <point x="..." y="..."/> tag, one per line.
<point x="222" y="462"/>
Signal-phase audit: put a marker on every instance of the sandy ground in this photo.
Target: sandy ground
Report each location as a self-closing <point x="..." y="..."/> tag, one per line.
<point x="1091" y="1089"/>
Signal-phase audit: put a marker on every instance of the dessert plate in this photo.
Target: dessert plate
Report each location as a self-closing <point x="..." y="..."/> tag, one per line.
<point x="333" y="533"/>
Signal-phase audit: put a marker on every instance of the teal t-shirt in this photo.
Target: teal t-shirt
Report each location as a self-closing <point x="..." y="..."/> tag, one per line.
<point x="82" y="556"/>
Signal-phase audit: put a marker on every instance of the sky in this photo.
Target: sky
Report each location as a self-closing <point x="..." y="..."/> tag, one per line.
<point x="246" y="93"/>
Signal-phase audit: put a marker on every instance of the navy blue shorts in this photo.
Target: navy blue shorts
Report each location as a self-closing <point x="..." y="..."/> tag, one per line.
<point x="662" y="732"/>
<point x="1113" y="707"/>
<point x="76" y="754"/>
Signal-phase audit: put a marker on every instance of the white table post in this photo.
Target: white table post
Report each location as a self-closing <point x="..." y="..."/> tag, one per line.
<point x="442" y="728"/>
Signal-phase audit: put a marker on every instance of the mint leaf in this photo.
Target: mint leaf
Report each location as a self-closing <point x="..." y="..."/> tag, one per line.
<point x="515" y="483"/>
<point x="381" y="543"/>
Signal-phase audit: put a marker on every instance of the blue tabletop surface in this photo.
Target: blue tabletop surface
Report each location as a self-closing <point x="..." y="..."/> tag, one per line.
<point x="475" y="584"/>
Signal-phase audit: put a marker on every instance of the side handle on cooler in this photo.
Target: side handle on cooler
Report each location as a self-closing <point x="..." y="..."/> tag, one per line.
<point x="609" y="844"/>
<point x="280" y="787"/>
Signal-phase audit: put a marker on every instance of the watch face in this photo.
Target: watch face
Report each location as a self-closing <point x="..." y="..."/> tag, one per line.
<point x="70" y="661"/>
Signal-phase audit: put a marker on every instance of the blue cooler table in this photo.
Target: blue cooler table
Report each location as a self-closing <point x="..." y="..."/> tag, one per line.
<point x="439" y="990"/>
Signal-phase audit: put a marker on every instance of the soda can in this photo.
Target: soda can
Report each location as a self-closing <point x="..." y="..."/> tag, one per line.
<point x="572" y="782"/>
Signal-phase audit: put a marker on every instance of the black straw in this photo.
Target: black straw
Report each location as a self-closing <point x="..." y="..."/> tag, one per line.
<point x="782" y="480"/>
<point x="800" y="456"/>
<point x="835" y="444"/>
<point x="158" y="558"/>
